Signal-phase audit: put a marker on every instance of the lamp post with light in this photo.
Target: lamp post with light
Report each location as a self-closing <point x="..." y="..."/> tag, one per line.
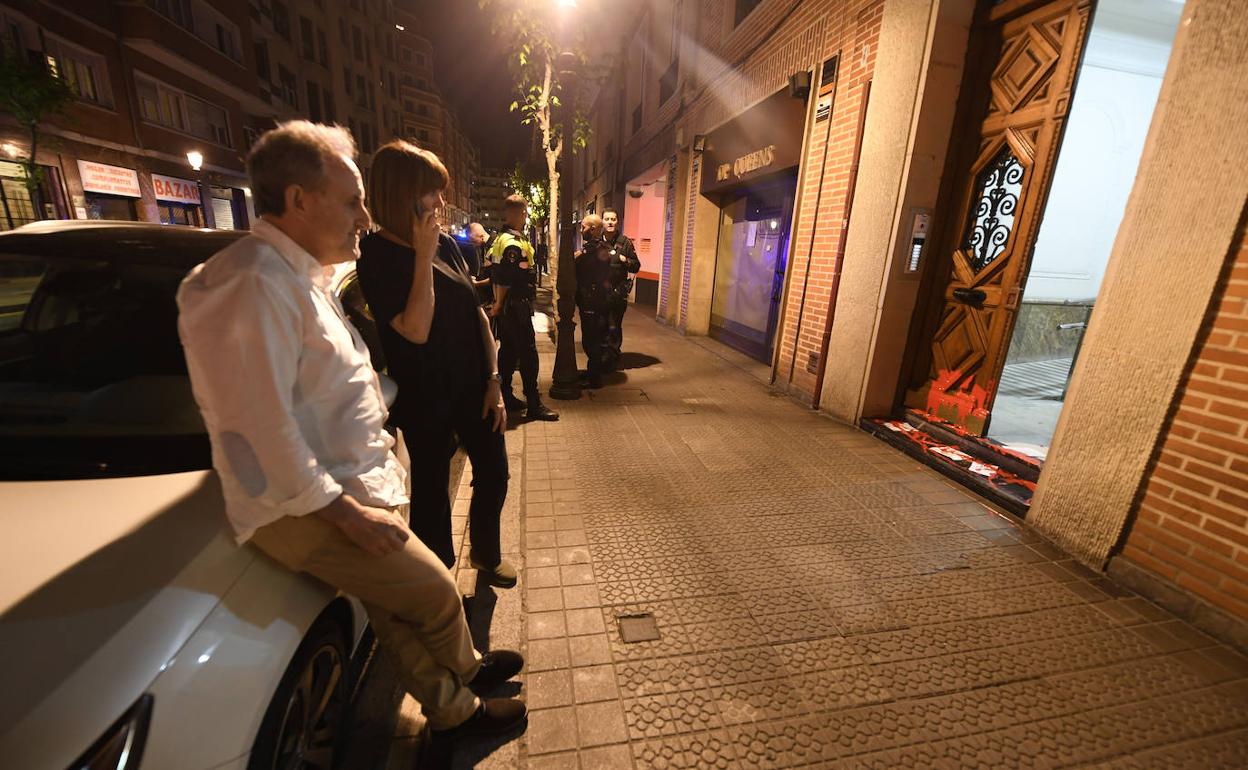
<point x="565" y="381"/>
<point x="196" y="159"/>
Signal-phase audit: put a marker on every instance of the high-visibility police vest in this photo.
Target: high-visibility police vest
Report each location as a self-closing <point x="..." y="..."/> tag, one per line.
<point x="507" y="239"/>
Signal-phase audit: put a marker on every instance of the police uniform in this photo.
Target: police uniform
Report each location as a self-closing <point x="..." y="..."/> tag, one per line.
<point x="594" y="281"/>
<point x="511" y="257"/>
<point x="624" y="262"/>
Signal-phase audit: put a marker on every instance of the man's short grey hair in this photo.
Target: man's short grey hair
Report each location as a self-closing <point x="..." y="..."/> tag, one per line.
<point x="293" y="153"/>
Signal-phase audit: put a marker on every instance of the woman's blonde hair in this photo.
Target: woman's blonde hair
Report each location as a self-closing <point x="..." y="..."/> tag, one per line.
<point x="402" y="174"/>
<point x="591" y="222"/>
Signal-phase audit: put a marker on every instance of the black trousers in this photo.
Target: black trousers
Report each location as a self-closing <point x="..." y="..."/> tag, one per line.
<point x="594" y="319"/>
<point x="431" y="444"/>
<point x="614" y="334"/>
<point x="517" y="346"/>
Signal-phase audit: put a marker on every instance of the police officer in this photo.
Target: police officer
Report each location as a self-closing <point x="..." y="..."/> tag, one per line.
<point x="515" y="285"/>
<point x="593" y="295"/>
<point x="624" y="265"/>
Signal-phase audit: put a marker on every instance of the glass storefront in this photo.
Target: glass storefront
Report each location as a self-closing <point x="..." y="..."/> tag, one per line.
<point x="100" y="206"/>
<point x="180" y="214"/>
<point x="16" y="205"/>
<point x="750" y="262"/>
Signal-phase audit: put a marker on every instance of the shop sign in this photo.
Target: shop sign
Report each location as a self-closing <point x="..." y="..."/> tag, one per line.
<point x="111" y="180"/>
<point x="171" y="188"/>
<point x="746" y="164"/>
<point x="764" y="139"/>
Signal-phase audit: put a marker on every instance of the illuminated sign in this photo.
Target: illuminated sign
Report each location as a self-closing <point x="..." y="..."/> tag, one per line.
<point x="171" y="188"/>
<point x="111" y="180"/>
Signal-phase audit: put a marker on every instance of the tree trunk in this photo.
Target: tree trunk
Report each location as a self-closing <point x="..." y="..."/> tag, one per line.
<point x="32" y="174"/>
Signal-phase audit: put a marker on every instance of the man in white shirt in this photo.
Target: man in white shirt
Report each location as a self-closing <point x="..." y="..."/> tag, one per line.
<point x="296" y="419"/>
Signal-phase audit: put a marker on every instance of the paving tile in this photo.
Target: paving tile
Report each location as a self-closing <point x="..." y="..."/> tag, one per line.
<point x="581" y="596"/>
<point x="543" y="599"/>
<point x="576" y="574"/>
<point x="585" y="621"/>
<point x="545" y="654"/>
<point x="594" y="683"/>
<point x="607" y="758"/>
<point x="547" y="689"/>
<point x="551" y="730"/>
<point x="712" y="750"/>
<point x="601" y="723"/>
<point x="589" y="650"/>
<point x="547" y="625"/>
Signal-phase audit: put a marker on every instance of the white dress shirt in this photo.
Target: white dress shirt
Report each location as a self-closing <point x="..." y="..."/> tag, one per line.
<point x="293" y="407"/>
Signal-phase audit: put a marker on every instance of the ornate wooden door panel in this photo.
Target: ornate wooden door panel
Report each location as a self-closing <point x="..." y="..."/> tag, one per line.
<point x="1023" y="92"/>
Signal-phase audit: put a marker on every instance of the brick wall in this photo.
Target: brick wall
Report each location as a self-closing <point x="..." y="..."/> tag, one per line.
<point x="1191" y="527"/>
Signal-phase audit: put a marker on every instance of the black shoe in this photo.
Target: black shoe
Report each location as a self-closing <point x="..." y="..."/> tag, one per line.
<point x="539" y="411"/>
<point x="493" y="716"/>
<point x="497" y="666"/>
<point x="514" y="405"/>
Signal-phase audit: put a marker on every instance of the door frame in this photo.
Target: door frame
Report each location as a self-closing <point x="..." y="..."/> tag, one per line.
<point x="964" y="148"/>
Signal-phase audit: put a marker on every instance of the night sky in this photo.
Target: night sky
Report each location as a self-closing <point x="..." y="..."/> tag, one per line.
<point x="471" y="70"/>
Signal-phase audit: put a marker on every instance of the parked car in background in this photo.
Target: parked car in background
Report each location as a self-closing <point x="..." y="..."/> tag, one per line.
<point x="135" y="632"/>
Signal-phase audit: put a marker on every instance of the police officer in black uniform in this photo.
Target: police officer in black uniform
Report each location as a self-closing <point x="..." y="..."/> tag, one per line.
<point x="593" y="295"/>
<point x="514" y="275"/>
<point x="624" y="265"/>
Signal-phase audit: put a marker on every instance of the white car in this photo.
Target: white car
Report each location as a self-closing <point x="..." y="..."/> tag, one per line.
<point x="135" y="633"/>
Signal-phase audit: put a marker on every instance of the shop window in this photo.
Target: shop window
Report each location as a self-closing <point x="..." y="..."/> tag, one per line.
<point x="743" y="9"/>
<point x="179" y="214"/>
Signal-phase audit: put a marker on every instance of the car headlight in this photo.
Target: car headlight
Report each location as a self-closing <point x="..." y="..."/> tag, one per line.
<point x="121" y="747"/>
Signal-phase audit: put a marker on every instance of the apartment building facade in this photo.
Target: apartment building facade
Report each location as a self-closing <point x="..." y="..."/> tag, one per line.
<point x="158" y="80"/>
<point x="962" y="226"/>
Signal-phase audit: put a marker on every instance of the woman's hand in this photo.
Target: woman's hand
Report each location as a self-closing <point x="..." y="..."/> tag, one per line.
<point x="494" y="403"/>
<point x="425" y="237"/>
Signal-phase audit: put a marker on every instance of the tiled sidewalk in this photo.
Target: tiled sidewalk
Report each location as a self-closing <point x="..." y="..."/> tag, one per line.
<point x="821" y="600"/>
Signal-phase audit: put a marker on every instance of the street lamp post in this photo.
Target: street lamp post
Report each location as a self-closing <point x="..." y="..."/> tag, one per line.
<point x="565" y="379"/>
<point x="196" y="159"/>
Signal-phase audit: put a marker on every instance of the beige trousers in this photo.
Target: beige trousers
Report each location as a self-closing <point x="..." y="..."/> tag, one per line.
<point x="412" y="603"/>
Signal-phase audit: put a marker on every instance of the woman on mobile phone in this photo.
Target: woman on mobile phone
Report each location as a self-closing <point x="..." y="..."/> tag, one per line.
<point x="440" y="350"/>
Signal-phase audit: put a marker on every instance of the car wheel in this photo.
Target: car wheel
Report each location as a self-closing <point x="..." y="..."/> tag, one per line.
<point x="300" y="727"/>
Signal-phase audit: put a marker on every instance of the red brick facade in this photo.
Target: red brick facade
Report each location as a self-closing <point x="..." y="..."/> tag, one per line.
<point x="1192" y="524"/>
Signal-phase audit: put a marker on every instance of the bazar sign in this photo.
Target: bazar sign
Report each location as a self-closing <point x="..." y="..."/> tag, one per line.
<point x="111" y="180"/>
<point x="171" y="188"/>
<point x="747" y="164"/>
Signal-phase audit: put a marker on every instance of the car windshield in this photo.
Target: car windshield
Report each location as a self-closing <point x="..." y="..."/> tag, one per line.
<point x="92" y="378"/>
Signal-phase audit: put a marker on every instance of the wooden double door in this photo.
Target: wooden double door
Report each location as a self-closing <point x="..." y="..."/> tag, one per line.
<point x="1017" y="92"/>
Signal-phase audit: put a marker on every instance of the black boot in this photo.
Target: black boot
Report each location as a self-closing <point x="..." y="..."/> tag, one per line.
<point x="539" y="411"/>
<point x="514" y="405"/>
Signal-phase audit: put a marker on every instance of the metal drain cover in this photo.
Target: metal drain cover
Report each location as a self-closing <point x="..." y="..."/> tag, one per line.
<point x="638" y="628"/>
